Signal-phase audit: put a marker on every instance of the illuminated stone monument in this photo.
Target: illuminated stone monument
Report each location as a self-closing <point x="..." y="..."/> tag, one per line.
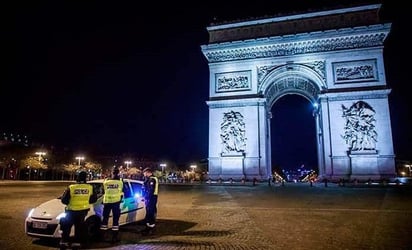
<point x="332" y="58"/>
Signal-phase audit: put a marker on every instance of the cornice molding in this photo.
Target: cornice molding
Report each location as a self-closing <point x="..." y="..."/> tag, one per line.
<point x="236" y="103"/>
<point x="359" y="95"/>
<point x="294" y="45"/>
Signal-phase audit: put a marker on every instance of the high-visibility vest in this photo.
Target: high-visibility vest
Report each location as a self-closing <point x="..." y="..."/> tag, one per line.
<point x="156" y="188"/>
<point x="113" y="191"/>
<point x="79" y="196"/>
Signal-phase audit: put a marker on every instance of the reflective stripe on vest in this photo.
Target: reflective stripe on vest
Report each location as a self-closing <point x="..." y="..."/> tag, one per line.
<point x="113" y="191"/>
<point x="79" y="196"/>
<point x="156" y="189"/>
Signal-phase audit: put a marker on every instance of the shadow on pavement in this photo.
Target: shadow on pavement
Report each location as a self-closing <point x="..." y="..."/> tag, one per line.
<point x="130" y="234"/>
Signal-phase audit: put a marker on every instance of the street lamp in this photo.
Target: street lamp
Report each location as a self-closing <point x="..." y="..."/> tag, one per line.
<point x="127" y="163"/>
<point x="80" y="158"/>
<point x="163" y="166"/>
<point x="28" y="167"/>
<point x="193" y="167"/>
<point x="40" y="154"/>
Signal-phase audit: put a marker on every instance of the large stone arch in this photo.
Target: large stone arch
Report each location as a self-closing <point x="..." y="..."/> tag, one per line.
<point x="291" y="78"/>
<point x="332" y="58"/>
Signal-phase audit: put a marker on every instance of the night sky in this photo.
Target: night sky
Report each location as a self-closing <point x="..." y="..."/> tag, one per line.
<point x="118" y="77"/>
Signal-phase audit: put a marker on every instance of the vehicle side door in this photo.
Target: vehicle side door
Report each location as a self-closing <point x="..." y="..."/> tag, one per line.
<point x="129" y="205"/>
<point x="138" y="195"/>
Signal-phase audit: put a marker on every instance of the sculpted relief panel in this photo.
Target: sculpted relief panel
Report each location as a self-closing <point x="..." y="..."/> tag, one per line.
<point x="355" y="71"/>
<point x="360" y="133"/>
<point x="233" y="133"/>
<point x="233" y="81"/>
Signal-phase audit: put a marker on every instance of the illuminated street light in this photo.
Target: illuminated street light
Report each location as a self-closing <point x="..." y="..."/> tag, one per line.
<point x="127" y="163"/>
<point x="163" y="166"/>
<point x="28" y="167"/>
<point x="193" y="167"/>
<point x="40" y="154"/>
<point x="80" y="158"/>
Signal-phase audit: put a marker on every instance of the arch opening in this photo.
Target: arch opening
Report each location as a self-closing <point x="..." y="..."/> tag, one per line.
<point x="293" y="137"/>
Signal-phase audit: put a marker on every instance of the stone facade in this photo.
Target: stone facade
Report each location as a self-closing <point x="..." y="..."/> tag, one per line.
<point x="338" y="66"/>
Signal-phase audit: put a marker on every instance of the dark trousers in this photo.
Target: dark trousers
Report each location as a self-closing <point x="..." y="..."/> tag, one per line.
<point x="151" y="210"/>
<point x="75" y="218"/>
<point x="115" y="209"/>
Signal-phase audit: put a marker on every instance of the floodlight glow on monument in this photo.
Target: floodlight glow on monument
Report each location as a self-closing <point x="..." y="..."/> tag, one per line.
<point x="252" y="68"/>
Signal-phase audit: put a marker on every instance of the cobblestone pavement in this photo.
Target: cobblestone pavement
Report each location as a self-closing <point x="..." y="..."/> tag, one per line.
<point x="295" y="216"/>
<point x="243" y="216"/>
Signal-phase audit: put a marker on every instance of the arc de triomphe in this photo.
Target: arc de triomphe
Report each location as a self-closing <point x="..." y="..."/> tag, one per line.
<point x="333" y="58"/>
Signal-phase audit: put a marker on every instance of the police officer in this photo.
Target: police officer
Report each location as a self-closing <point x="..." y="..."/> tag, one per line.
<point x="150" y="191"/>
<point x="77" y="198"/>
<point x="112" y="197"/>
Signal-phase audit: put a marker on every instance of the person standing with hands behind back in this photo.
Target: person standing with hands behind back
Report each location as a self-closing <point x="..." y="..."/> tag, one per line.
<point x="112" y="197"/>
<point x="150" y="191"/>
<point x="77" y="198"/>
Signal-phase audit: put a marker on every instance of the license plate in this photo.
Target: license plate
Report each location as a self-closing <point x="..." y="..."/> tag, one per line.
<point x="38" y="224"/>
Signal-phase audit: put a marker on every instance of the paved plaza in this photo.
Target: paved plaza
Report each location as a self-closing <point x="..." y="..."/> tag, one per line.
<point x="241" y="216"/>
<point x="294" y="216"/>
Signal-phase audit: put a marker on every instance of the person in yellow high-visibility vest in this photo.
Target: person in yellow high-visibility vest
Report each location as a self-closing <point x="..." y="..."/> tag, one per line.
<point x="112" y="197"/>
<point x="77" y="198"/>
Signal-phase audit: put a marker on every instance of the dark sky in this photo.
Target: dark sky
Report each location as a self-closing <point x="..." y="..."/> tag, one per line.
<point x="122" y="77"/>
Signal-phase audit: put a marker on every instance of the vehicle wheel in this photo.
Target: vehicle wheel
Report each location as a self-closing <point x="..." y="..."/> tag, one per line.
<point x="93" y="227"/>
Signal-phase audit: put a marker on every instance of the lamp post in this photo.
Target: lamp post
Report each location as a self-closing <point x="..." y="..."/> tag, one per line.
<point x="127" y="164"/>
<point x="163" y="166"/>
<point x="40" y="154"/>
<point x="193" y="167"/>
<point x="28" y="167"/>
<point x="80" y="158"/>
